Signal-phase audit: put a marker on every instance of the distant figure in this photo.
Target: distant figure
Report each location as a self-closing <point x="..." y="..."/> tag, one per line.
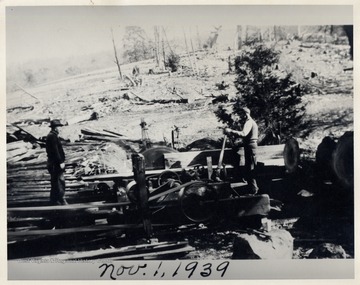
<point x="249" y="133"/>
<point x="56" y="164"/>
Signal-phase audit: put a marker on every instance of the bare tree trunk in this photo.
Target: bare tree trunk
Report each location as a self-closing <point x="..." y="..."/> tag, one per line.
<point x="193" y="54"/>
<point x="116" y="57"/>
<point x="246" y="33"/>
<point x="163" y="50"/>
<point x="262" y="33"/>
<point x="239" y="36"/>
<point x="187" y="51"/>
<point x="275" y="34"/>
<point x="156" y="35"/>
<point x="299" y="31"/>
<point x="167" y="41"/>
<point x="198" y="37"/>
<point x="349" y="30"/>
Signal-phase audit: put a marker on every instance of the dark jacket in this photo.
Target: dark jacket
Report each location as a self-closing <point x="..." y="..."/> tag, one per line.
<point x="54" y="149"/>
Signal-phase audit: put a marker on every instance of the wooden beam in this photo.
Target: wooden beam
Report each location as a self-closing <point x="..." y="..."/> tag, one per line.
<point x="76" y="230"/>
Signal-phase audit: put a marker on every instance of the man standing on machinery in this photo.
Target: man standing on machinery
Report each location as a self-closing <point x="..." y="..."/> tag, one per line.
<point x="249" y="134"/>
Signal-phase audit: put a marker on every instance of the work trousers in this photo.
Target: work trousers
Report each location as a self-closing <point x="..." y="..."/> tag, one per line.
<point x="250" y="166"/>
<point x="57" y="191"/>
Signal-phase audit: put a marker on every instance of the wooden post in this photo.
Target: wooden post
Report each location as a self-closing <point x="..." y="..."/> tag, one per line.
<point x="138" y="162"/>
<point x="209" y="166"/>
<point x="221" y="157"/>
<point x="144" y="137"/>
<point x="172" y="139"/>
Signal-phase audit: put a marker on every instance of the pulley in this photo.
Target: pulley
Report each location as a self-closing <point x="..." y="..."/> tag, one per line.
<point x="198" y="202"/>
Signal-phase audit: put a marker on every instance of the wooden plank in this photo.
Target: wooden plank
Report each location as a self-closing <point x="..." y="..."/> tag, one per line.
<point x="20" y="222"/>
<point x="129" y="175"/>
<point x="186" y="249"/>
<point x="132" y="251"/>
<point x="186" y="159"/>
<point x="64" y="208"/>
<point x="18" y="144"/>
<point x="77" y="230"/>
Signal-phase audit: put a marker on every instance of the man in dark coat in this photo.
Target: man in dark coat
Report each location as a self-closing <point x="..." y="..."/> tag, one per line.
<point x="249" y="134"/>
<point x="56" y="164"/>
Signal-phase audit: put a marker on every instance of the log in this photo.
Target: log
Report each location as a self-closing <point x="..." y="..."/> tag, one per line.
<point x="291" y="155"/>
<point x="100" y="138"/>
<point x="343" y="161"/>
<point x="114" y="133"/>
<point x="92" y="132"/>
<point x="21" y="108"/>
<point x="136" y="96"/>
<point x="130" y="79"/>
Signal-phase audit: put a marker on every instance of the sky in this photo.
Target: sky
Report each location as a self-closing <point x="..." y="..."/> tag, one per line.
<point x="45" y="32"/>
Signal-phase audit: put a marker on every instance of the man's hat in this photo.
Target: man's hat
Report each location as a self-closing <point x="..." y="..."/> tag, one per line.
<point x="55" y="123"/>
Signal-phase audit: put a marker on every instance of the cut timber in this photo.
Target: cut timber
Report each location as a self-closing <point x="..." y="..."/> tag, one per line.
<point x="343" y="161"/>
<point x="100" y="138"/>
<point x="27" y="155"/>
<point x="113" y="133"/>
<point x="291" y="155"/>
<point x="271" y="153"/>
<point x="26" y="132"/>
<point x="59" y="232"/>
<point x="56" y="210"/>
<point x="21" y="108"/>
<point x="128" y="252"/>
<point x="138" y="97"/>
<point x="92" y="132"/>
<point x="130" y="79"/>
<point x="18" y="145"/>
<point x="167" y="101"/>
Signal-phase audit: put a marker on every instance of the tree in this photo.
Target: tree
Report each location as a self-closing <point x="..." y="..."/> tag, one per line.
<point x="137" y="46"/>
<point x="116" y="57"/>
<point x="29" y="77"/>
<point x="173" y="61"/>
<point x="275" y="100"/>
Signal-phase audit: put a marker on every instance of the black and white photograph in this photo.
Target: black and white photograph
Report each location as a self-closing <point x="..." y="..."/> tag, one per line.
<point x="179" y="142"/>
